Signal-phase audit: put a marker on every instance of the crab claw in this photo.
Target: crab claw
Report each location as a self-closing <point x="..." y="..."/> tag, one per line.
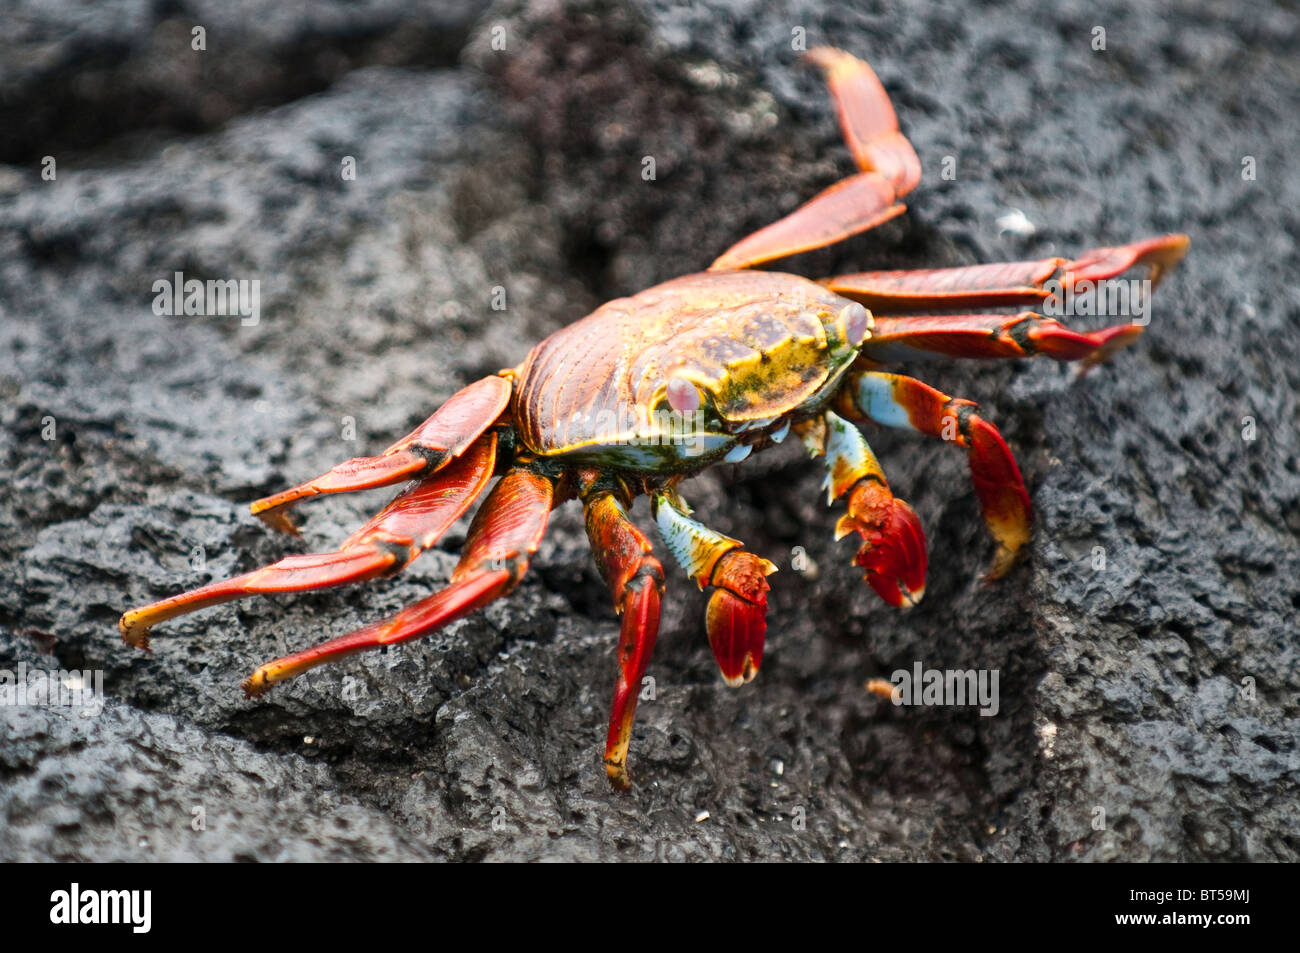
<point x="737" y="614"/>
<point x="894" y="553"/>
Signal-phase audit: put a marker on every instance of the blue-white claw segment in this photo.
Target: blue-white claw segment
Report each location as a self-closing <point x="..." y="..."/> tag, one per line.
<point x="694" y="546"/>
<point x="848" y="457"/>
<point x="876" y="400"/>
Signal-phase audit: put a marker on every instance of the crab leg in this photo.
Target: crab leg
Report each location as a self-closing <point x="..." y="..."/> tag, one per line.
<point x="502" y="539"/>
<point x="447" y="434"/>
<point x="890" y="169"/>
<point x="736" y="618"/>
<point x="898" y="401"/>
<point x="893" y="555"/>
<point x="636" y="580"/>
<point x="410" y="524"/>
<point x="1004" y="284"/>
<point x="992" y="335"/>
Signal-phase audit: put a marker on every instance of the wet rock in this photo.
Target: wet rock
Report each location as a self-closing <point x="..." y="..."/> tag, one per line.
<point x="119" y="783"/>
<point x="77" y="77"/>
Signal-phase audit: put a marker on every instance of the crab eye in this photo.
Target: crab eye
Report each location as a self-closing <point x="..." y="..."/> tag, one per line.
<point x="853" y="322"/>
<point x="683" y="396"/>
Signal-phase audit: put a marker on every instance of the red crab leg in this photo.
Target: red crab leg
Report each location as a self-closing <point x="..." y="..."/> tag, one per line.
<point x="636" y="580"/>
<point x="898" y="401"/>
<point x="992" y="335"/>
<point x="443" y="437"/>
<point x="386" y="544"/>
<point x="890" y="169"/>
<point x="736" y="618"/>
<point x="1003" y="284"/>
<point x="893" y="556"/>
<point x="867" y="119"/>
<point x="505" y="533"/>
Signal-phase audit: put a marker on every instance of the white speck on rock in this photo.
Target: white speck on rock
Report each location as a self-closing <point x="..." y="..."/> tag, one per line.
<point x="1047" y="739"/>
<point x="1016" y="222"/>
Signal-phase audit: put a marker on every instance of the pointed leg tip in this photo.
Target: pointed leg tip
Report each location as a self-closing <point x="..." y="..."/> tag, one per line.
<point x="825" y="56"/>
<point x="1003" y="563"/>
<point x="619" y="777"/>
<point x="1113" y="340"/>
<point x="277" y="519"/>
<point x="255" y="685"/>
<point x="882" y="688"/>
<point x="1165" y="253"/>
<point x="1161" y="255"/>
<point x="133" y="632"/>
<point x="743" y="675"/>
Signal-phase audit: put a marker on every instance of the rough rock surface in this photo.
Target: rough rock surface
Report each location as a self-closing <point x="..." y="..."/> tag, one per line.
<point x="1147" y="708"/>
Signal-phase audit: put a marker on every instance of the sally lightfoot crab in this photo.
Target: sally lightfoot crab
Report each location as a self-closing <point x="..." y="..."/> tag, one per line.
<point x="647" y="390"/>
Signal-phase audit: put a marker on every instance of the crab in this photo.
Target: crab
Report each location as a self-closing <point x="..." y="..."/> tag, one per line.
<point x="708" y="368"/>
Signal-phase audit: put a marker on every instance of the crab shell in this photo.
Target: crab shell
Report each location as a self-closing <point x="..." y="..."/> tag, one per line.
<point x="763" y="349"/>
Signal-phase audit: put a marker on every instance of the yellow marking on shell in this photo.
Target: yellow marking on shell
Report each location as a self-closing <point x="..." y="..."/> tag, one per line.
<point x="756" y="354"/>
<point x="769" y="383"/>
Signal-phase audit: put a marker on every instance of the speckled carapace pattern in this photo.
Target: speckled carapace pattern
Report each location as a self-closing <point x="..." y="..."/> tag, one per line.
<point x="756" y="341"/>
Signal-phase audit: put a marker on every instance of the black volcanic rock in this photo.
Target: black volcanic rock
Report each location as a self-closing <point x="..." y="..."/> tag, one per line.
<point x="1147" y="708"/>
